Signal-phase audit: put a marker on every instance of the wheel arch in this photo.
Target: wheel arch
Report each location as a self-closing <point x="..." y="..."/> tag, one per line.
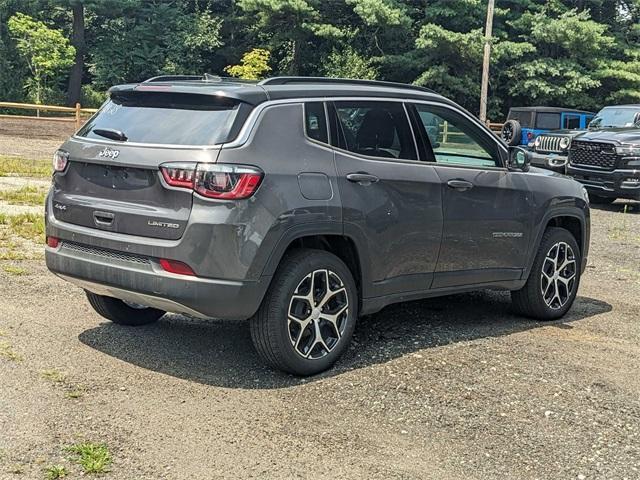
<point x="327" y="238"/>
<point x="573" y="220"/>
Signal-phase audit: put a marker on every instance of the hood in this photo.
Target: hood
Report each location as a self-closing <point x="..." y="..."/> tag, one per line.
<point x="563" y="133"/>
<point x="617" y="135"/>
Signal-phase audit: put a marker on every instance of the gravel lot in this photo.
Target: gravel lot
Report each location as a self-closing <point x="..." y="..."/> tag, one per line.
<point x="451" y="388"/>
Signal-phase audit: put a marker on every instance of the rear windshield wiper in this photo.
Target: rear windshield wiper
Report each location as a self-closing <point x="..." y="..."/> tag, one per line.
<point x="110" y="133"/>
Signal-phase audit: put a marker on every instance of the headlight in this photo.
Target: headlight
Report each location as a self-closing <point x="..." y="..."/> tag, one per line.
<point x="537" y="142"/>
<point x="565" y="142"/>
<point x="628" y="150"/>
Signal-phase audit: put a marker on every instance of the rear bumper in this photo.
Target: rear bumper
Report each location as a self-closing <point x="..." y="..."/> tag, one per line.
<point x="144" y="282"/>
<point x="614" y="183"/>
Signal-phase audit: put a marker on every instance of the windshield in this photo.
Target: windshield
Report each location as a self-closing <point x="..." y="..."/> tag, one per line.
<point x="161" y="118"/>
<point x="616" y="117"/>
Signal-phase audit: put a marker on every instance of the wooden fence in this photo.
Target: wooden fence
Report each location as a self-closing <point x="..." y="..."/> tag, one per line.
<point x="76" y="112"/>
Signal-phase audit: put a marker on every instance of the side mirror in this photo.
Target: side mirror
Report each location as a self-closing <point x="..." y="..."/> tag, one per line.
<point x="519" y="159"/>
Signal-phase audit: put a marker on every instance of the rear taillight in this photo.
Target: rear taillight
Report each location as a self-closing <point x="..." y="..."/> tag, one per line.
<point x="53" y="242"/>
<point x="229" y="182"/>
<point x="60" y="160"/>
<point x="174" y="266"/>
<point x="178" y="174"/>
<point x="220" y="181"/>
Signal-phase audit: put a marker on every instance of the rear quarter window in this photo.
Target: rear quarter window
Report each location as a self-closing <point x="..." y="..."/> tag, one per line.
<point x="548" y="121"/>
<point x="168" y="118"/>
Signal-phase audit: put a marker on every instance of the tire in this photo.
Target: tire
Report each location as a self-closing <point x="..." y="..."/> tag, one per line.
<point x="597" y="200"/>
<point x="119" y="312"/>
<point x="511" y="132"/>
<point x="292" y="345"/>
<point x="532" y="300"/>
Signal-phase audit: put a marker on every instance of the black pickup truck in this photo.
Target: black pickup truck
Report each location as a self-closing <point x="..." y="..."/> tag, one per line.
<point x="605" y="158"/>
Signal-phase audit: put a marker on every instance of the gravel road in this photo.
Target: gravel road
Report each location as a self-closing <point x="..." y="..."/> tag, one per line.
<point x="451" y="388"/>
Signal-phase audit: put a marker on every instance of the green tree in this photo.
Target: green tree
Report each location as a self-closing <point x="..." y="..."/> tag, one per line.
<point x="253" y="66"/>
<point x="46" y="51"/>
<point x="289" y="27"/>
<point x="347" y="63"/>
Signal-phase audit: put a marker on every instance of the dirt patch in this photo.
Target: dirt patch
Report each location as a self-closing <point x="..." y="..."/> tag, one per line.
<point x="450" y="388"/>
<point x="32" y="139"/>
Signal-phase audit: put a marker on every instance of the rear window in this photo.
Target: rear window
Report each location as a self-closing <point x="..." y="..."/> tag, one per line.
<point x="166" y="118"/>
<point x="550" y="121"/>
<point x="523" y="117"/>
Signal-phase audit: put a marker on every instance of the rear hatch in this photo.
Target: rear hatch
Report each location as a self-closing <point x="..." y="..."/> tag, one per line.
<point x="114" y="183"/>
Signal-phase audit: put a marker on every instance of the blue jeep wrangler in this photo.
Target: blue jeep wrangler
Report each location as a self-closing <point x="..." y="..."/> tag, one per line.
<point x="524" y="124"/>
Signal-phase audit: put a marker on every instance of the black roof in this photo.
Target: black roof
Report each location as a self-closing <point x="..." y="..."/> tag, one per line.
<point x="277" y="88"/>
<point x="548" y="109"/>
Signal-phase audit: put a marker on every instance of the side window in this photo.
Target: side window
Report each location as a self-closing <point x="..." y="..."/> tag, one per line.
<point x="455" y="140"/>
<point x="571" y="121"/>
<point x="548" y="121"/>
<point x="315" y="122"/>
<point x="375" y="129"/>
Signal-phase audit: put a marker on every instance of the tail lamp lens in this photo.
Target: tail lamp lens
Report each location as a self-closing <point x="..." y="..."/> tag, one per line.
<point x="60" y="160"/>
<point x="227" y="181"/>
<point x="179" y="174"/>
<point x="221" y="181"/>
<point x="174" y="266"/>
<point x="53" y="242"/>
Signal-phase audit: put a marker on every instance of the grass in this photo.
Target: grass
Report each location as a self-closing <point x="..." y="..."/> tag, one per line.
<point x="92" y="457"/>
<point x="53" y="472"/>
<point x="28" y="195"/>
<point x="6" y="351"/>
<point x="24" y="168"/>
<point x="54" y="375"/>
<point x="26" y="225"/>
<point x="75" y="393"/>
<point x="13" y="270"/>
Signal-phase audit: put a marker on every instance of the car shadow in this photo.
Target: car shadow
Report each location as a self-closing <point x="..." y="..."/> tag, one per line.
<point x="220" y="353"/>
<point x="619" y="206"/>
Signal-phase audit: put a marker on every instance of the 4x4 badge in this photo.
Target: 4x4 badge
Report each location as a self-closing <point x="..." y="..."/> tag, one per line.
<point x="109" y="153"/>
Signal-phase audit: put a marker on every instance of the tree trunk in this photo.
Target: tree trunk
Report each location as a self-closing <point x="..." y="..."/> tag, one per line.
<point x="77" y="40"/>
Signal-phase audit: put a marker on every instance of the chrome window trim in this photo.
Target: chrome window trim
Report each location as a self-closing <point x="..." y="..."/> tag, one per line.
<point x="252" y="118"/>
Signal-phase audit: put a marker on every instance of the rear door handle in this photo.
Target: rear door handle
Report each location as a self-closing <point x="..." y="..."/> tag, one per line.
<point x="362" y="178"/>
<point x="461" y="185"/>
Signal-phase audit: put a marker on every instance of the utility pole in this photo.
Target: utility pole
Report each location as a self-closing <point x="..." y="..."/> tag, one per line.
<point x="484" y="88"/>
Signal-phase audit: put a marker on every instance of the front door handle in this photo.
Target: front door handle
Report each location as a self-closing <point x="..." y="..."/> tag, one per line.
<point x="362" y="178"/>
<point x="460" y="185"/>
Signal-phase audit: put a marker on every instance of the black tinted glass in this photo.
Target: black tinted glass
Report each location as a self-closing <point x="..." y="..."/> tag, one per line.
<point x="549" y="121"/>
<point x="523" y="117"/>
<point x="376" y="129"/>
<point x="162" y="118"/>
<point x="315" y="122"/>
<point x="571" y="122"/>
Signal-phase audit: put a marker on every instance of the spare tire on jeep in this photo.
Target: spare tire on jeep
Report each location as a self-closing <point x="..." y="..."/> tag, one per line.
<point x="511" y="132"/>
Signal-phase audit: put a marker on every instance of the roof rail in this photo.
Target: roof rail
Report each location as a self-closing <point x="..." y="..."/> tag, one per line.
<point x="207" y="77"/>
<point x="173" y="78"/>
<point x="341" y="81"/>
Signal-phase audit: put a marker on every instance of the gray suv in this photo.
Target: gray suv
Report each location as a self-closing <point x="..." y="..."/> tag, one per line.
<point x="303" y="204"/>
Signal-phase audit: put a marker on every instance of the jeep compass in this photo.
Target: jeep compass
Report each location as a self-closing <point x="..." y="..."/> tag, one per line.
<point x="302" y="204"/>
